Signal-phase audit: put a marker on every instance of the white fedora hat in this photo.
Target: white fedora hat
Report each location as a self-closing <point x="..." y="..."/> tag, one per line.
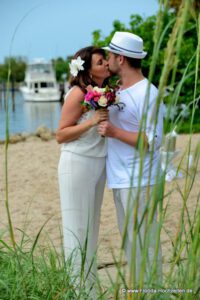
<point x="126" y="44"/>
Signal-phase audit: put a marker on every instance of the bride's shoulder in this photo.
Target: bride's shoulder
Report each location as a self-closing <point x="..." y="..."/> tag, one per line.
<point x="75" y="92"/>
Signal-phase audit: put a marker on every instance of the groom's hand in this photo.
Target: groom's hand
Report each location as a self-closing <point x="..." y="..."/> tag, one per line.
<point x="106" y="128"/>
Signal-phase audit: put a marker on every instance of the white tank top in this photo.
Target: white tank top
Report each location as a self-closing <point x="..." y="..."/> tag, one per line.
<point x="90" y="143"/>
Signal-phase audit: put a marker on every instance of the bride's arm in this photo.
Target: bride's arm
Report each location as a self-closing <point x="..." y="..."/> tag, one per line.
<point x="68" y="129"/>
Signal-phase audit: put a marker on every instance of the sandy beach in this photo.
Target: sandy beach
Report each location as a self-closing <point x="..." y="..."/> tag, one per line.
<point x="34" y="196"/>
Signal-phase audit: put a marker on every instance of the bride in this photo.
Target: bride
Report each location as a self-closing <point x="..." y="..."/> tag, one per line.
<point x="81" y="167"/>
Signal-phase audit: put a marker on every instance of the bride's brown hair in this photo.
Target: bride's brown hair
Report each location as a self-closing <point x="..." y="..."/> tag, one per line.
<point x="83" y="78"/>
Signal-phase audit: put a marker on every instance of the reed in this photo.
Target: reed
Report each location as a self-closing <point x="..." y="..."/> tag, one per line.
<point x="185" y="245"/>
<point x="12" y="236"/>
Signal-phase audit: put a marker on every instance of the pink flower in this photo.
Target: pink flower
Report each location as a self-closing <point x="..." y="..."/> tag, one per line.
<point x="96" y="98"/>
<point x="89" y="96"/>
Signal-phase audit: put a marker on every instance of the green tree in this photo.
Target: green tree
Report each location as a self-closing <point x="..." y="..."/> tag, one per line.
<point x="61" y="68"/>
<point x="17" y="66"/>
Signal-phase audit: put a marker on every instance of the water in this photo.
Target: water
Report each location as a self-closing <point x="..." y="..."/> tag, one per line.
<point x="28" y="116"/>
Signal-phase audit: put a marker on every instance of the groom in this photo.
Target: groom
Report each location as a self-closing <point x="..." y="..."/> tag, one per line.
<point x="134" y="137"/>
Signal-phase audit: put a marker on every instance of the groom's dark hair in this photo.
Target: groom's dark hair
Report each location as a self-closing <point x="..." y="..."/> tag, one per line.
<point x="83" y="78"/>
<point x="133" y="62"/>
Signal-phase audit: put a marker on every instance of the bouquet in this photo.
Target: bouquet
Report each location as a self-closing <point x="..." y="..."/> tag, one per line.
<point x="97" y="98"/>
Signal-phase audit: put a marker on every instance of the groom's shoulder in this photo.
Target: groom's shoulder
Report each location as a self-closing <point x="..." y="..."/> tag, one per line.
<point x="148" y="91"/>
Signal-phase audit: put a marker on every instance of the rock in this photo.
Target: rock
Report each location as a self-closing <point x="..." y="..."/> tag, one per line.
<point x="13" y="139"/>
<point x="44" y="133"/>
<point x="41" y="130"/>
<point x="46" y="136"/>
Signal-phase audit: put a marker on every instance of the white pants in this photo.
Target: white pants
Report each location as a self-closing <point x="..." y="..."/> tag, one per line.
<point x="125" y="201"/>
<point x="81" y="183"/>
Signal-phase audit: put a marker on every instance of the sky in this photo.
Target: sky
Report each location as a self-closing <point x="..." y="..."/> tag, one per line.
<point x="53" y="28"/>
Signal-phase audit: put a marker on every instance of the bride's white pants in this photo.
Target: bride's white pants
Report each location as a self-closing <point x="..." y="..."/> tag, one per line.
<point x="81" y="183"/>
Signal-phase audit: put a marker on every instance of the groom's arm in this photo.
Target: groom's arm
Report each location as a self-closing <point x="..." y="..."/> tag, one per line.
<point x="106" y="128"/>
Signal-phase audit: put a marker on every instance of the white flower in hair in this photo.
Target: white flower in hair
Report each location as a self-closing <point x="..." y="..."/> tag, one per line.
<point x="76" y="65"/>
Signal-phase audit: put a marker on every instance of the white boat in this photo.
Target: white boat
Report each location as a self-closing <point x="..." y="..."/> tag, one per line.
<point x="40" y="82"/>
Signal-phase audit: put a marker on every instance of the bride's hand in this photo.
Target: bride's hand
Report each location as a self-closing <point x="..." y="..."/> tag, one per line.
<point x="99" y="116"/>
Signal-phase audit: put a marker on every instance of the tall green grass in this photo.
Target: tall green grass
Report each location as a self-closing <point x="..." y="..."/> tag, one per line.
<point x="29" y="271"/>
<point x="184" y="267"/>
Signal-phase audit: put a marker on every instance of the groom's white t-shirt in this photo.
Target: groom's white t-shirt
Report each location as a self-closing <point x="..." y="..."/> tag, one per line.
<point x="123" y="160"/>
